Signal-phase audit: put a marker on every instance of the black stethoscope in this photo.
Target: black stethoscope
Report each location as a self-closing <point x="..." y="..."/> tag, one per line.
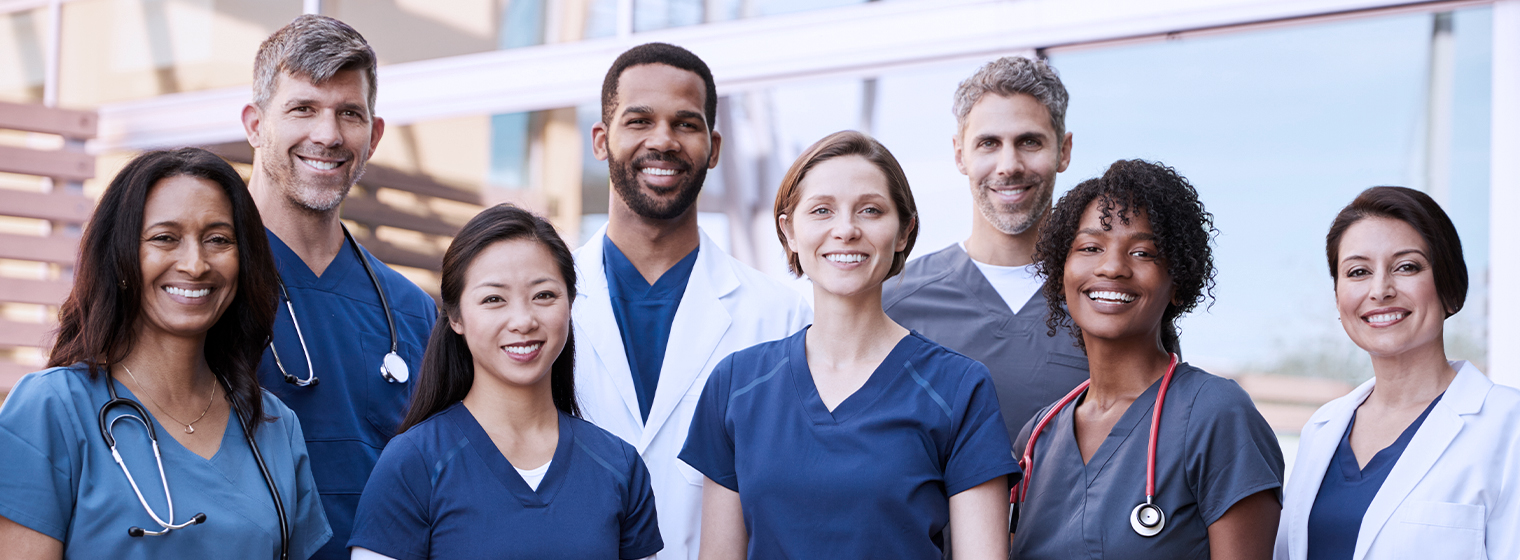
<point x="1146" y="519"/>
<point x="392" y="367"/>
<point x="106" y="428"/>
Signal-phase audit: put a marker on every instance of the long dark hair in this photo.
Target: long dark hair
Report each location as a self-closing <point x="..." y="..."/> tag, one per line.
<point x="97" y="324"/>
<point x="448" y="368"/>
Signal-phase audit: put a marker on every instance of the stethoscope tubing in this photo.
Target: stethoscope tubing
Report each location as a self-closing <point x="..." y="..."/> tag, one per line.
<point x="1026" y="462"/>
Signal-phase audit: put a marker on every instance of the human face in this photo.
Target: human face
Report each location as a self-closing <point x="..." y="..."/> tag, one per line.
<point x="514" y="313"/>
<point x="189" y="257"/>
<point x="844" y="228"/>
<point x="1385" y="290"/>
<point x="1117" y="287"/>
<point x="659" y="145"/>
<point x="1011" y="154"/>
<point x="312" y="141"/>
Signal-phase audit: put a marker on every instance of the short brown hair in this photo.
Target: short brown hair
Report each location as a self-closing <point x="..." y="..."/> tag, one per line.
<point x="313" y="47"/>
<point x="1427" y="218"/>
<point x="840" y="144"/>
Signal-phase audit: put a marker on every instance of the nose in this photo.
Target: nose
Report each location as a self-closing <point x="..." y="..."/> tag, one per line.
<point x="847" y="228"/>
<point x="662" y="139"/>
<point x="325" y="131"/>
<point x="1113" y="264"/>
<point x="1383" y="287"/>
<point x="1009" y="162"/>
<point x="522" y="320"/>
<point x="192" y="260"/>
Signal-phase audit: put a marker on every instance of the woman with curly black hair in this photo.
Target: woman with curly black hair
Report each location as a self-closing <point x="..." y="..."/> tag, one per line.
<point x="1153" y="458"/>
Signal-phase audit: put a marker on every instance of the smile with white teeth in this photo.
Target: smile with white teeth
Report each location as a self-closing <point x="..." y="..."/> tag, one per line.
<point x="322" y="165"/>
<point x="181" y="292"/>
<point x="1387" y="317"/>
<point x="845" y="258"/>
<point x="1111" y="297"/>
<point x="523" y="350"/>
<point x="657" y="171"/>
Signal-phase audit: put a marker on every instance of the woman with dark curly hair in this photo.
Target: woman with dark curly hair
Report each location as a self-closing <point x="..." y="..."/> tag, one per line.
<point x="173" y="302"/>
<point x="1152" y="458"/>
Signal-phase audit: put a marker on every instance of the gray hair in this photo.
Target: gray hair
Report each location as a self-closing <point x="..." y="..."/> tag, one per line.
<point x="1009" y="76"/>
<point x="313" y="47"/>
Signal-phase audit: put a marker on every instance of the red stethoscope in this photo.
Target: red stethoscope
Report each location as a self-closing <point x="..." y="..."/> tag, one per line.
<point x="1147" y="519"/>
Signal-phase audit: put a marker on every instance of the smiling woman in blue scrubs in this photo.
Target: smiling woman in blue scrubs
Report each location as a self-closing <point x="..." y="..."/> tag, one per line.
<point x="1123" y="257"/>
<point x="494" y="461"/>
<point x="854" y="438"/>
<point x="173" y="263"/>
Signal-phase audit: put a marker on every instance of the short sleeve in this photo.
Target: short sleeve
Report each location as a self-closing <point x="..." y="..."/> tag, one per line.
<point x="393" y="518"/>
<point x="981" y="450"/>
<point x="1232" y="452"/>
<point x="709" y="447"/>
<point x="38" y="444"/>
<point x="308" y="524"/>
<point x="640" y="535"/>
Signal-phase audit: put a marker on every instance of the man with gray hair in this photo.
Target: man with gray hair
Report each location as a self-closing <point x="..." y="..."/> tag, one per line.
<point x="344" y="318"/>
<point x="982" y="297"/>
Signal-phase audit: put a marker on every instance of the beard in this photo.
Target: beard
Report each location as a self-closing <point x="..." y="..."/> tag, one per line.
<point x="625" y="181"/>
<point x="1014" y="219"/>
<point x="318" y="195"/>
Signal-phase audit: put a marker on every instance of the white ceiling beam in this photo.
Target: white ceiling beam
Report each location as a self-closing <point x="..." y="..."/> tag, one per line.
<point x="860" y="40"/>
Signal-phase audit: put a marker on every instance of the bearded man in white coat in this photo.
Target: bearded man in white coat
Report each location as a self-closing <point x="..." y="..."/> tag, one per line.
<point x="658" y="304"/>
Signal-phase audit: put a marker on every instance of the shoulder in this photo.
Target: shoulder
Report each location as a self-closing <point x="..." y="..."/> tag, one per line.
<point x="947" y="362"/>
<point x="401" y="292"/>
<point x="1208" y="392"/>
<point x="598" y="440"/>
<point x="919" y="273"/>
<point x="772" y="351"/>
<point x="432" y="438"/>
<point x="756" y="284"/>
<point x="56" y="388"/>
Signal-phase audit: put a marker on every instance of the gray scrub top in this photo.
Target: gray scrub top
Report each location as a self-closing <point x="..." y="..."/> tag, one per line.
<point x="1213" y="450"/>
<point x="944" y="297"/>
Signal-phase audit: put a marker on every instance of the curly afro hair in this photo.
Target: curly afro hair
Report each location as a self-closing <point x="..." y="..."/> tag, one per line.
<point x="1183" y="231"/>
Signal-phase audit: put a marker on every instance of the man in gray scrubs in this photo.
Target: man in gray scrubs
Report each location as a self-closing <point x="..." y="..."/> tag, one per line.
<point x="981" y="297"/>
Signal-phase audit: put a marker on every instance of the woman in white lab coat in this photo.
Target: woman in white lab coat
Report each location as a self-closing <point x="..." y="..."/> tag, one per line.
<point x="1423" y="461"/>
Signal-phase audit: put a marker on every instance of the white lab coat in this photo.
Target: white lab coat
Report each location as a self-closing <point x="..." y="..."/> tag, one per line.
<point x="727" y="307"/>
<point x="1453" y="494"/>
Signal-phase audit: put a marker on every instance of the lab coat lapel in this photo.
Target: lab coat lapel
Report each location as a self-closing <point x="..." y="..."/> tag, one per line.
<point x="700" y="323"/>
<point x="1464" y="396"/>
<point x="595" y="318"/>
<point x="1328" y="425"/>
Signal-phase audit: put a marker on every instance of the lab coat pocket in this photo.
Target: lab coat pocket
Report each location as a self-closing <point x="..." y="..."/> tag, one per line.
<point x="1436" y="530"/>
<point x="692" y="476"/>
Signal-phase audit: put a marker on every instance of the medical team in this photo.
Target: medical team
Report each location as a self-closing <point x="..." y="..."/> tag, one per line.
<point x="706" y="411"/>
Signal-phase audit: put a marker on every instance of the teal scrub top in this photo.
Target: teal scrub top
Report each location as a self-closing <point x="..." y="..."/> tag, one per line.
<point x="57" y="477"/>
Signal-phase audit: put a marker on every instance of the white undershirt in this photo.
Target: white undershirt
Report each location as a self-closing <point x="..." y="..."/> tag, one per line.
<point x="1016" y="284"/>
<point x="534" y="476"/>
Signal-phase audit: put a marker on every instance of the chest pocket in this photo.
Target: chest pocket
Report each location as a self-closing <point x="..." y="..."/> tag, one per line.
<point x="1434" y="530"/>
<point x="385" y="402"/>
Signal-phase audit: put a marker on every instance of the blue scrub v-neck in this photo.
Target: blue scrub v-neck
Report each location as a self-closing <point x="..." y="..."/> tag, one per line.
<point x="861" y="399"/>
<point x="1348" y="489"/>
<point x="481" y="444"/>
<point x="644" y="314"/>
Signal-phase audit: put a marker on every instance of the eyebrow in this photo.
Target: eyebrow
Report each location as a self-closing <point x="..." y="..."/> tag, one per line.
<point x="1143" y="236"/>
<point x="501" y="285"/>
<point x="1397" y="254"/>
<point x="346" y="106"/>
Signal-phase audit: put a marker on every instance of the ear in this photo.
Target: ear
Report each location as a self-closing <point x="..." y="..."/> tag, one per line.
<point x="717" y="145"/>
<point x="599" y="141"/>
<point x="252" y="116"/>
<point x="1065" y="153"/>
<point x="376" y="130"/>
<point x="902" y="240"/>
<point x="955" y="143"/>
<point x="457" y="326"/>
<point x="786" y="229"/>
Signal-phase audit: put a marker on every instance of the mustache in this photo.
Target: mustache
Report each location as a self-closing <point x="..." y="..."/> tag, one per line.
<point x="1014" y="181"/>
<point x="662" y="158"/>
<point x="325" y="153"/>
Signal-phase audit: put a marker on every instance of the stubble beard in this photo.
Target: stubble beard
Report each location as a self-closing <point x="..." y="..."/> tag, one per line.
<point x="1011" y="219"/>
<point x="625" y="181"/>
<point x="312" y="196"/>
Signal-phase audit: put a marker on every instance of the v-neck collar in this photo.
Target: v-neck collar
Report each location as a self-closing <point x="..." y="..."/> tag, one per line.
<point x="1128" y="424"/>
<point x="862" y="398"/>
<point x="505" y="473"/>
<point x="632" y="284"/>
<point x="1385" y="457"/>
<point x="166" y="441"/>
<point x="295" y="272"/>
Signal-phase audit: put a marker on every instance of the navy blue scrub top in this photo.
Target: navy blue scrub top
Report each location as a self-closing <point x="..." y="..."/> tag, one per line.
<point x="1213" y="450"/>
<point x="444" y="490"/>
<point x="872" y="478"/>
<point x="644" y="314"/>
<point x="1348" y="489"/>
<point x="352" y="411"/>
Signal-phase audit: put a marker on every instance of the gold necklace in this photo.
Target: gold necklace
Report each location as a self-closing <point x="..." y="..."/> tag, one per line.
<point x="189" y="427"/>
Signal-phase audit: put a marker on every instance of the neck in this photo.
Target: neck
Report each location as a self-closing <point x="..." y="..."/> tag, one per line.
<point x="173" y="368"/>
<point x="987" y="245"/>
<point x="653" y="246"/>
<point x="316" y="237"/>
<point x="1413" y="378"/>
<point x="501" y="407"/>
<point x="1123" y="369"/>
<point x="854" y="327"/>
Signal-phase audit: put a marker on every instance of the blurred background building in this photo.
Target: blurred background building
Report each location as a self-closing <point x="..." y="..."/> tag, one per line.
<point x="1278" y="111"/>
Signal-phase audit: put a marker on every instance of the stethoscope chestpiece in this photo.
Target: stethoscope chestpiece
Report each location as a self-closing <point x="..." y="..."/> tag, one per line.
<point x="1147" y="519"/>
<point x="394" y="369"/>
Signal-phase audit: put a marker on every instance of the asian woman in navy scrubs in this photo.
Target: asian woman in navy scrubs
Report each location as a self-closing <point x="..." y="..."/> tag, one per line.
<point x="1123" y="257"/>
<point x="1421" y="460"/>
<point x="853" y="438"/>
<point x="494" y="460"/>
